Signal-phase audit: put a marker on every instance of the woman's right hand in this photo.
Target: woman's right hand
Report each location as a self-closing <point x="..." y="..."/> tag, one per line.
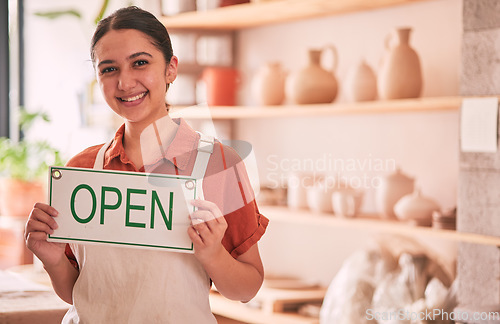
<point x="41" y="223"/>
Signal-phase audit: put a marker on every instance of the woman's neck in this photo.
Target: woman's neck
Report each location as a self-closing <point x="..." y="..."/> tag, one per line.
<point x="133" y="131"/>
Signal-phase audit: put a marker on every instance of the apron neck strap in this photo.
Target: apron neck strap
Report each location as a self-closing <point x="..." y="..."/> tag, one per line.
<point x="99" y="159"/>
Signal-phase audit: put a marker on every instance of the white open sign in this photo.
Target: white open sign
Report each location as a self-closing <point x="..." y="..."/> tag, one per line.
<point x="126" y="208"/>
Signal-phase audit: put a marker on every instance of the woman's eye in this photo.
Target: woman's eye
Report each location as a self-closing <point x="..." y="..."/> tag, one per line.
<point x="107" y="70"/>
<point x="140" y="62"/>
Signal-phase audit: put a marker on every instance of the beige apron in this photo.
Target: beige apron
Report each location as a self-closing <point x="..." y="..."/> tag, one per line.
<point x="131" y="285"/>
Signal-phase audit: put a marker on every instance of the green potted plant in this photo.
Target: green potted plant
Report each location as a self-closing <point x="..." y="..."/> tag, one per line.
<point x="23" y="169"/>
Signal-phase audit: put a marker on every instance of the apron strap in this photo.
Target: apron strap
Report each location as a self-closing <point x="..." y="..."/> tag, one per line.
<point x="99" y="159"/>
<point x="205" y="149"/>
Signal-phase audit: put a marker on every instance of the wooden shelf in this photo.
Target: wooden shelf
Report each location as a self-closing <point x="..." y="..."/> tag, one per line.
<point x="265" y="13"/>
<point x="241" y="312"/>
<point x="372" y="224"/>
<point x="370" y="107"/>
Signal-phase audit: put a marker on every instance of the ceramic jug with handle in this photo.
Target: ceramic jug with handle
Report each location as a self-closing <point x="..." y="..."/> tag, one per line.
<point x="314" y="84"/>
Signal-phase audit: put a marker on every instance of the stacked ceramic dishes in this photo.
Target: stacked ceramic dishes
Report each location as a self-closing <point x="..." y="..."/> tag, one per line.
<point x="445" y="220"/>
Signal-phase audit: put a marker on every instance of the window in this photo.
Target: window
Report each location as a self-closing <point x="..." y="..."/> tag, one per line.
<point x="4" y="68"/>
<point x="11" y="64"/>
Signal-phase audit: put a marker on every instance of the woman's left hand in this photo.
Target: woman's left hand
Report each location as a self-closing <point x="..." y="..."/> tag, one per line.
<point x="207" y="230"/>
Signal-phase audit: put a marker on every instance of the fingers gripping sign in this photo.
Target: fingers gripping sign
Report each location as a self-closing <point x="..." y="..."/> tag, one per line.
<point x="40" y="223"/>
<point x="207" y="230"/>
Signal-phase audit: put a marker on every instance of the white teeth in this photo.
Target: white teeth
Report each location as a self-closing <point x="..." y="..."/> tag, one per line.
<point x="139" y="96"/>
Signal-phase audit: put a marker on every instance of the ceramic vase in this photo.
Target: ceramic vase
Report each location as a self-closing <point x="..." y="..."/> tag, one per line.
<point x="269" y="84"/>
<point x="400" y="75"/>
<point x="314" y="84"/>
<point x="392" y="188"/>
<point x="416" y="209"/>
<point x="361" y="83"/>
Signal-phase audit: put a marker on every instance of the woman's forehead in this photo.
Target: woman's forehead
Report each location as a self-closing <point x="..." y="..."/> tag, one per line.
<point x="124" y="42"/>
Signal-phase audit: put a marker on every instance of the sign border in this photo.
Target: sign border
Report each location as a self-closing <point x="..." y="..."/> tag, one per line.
<point x="53" y="238"/>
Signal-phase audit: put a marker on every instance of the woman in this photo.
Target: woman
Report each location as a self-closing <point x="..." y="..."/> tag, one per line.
<point x="134" y="62"/>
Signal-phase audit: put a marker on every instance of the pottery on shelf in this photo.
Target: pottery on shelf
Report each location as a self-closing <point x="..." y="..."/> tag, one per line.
<point x="297" y="184"/>
<point x="346" y="202"/>
<point x="313" y="84"/>
<point x="416" y="209"/>
<point x="400" y="75"/>
<point x="221" y="85"/>
<point x="319" y="196"/>
<point x="361" y="83"/>
<point x="392" y="188"/>
<point x="268" y="84"/>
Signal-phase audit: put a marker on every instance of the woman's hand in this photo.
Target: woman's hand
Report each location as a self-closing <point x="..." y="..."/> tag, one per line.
<point x="207" y="230"/>
<point x="237" y="279"/>
<point x="40" y="223"/>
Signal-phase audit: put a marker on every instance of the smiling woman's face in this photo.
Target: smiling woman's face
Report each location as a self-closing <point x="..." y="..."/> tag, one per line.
<point x="133" y="75"/>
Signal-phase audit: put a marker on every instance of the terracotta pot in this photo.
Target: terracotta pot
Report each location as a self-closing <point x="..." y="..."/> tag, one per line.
<point x="400" y="75"/>
<point x="361" y="83"/>
<point x="18" y="197"/>
<point x="416" y="209"/>
<point x="221" y="85"/>
<point x="392" y="188"/>
<point x="313" y="84"/>
<point x="269" y="84"/>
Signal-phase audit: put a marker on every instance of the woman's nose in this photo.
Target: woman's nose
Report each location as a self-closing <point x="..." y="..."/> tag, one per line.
<point x="126" y="80"/>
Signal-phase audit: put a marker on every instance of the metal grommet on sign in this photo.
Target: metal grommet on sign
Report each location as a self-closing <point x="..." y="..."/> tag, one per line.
<point x="56" y="174"/>
<point x="189" y="184"/>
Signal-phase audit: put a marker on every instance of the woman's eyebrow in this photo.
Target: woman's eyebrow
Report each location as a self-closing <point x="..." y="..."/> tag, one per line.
<point x="131" y="57"/>
<point x="139" y="54"/>
<point x="105" y="62"/>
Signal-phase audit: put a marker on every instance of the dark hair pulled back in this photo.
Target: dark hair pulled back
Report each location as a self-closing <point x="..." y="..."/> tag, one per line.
<point x="135" y="18"/>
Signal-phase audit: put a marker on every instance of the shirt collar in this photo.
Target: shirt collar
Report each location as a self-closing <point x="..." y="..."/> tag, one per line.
<point x="179" y="152"/>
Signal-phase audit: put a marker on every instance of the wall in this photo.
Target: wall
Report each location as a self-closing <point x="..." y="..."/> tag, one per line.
<point x="479" y="193"/>
<point x="424" y="145"/>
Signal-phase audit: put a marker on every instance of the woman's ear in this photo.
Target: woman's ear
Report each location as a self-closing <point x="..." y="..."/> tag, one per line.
<point x="171" y="72"/>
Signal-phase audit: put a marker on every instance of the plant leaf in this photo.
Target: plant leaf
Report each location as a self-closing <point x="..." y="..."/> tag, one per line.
<point x="99" y="16"/>
<point x="57" y="14"/>
<point x="26" y="119"/>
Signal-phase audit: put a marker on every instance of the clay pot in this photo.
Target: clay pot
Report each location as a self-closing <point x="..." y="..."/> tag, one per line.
<point x="170" y="8"/>
<point x="313" y="84"/>
<point x="361" y="83"/>
<point x="392" y="188"/>
<point x="221" y="85"/>
<point x="347" y="202"/>
<point x="269" y="84"/>
<point x="416" y="209"/>
<point x="319" y="196"/>
<point x="400" y="75"/>
<point x="18" y="197"/>
<point x="297" y="184"/>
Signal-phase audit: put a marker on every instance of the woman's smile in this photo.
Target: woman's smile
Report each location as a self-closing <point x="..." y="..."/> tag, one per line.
<point x="134" y="98"/>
